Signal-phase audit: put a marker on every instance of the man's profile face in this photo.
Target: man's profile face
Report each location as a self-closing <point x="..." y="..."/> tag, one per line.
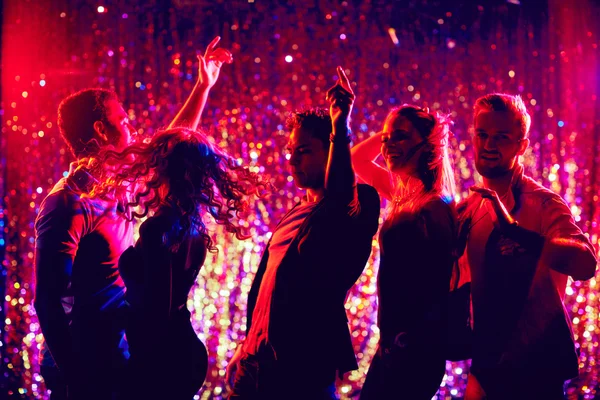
<point x="497" y="143"/>
<point x="120" y="129"/>
<point x="308" y="159"/>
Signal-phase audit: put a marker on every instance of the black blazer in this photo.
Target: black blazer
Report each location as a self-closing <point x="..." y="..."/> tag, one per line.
<point x="322" y="263"/>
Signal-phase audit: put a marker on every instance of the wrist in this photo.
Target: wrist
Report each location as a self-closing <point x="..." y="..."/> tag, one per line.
<point x="201" y="84"/>
<point x="510" y="223"/>
<point x="340" y="132"/>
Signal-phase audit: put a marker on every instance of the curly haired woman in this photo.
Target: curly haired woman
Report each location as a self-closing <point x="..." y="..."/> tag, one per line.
<point x="178" y="179"/>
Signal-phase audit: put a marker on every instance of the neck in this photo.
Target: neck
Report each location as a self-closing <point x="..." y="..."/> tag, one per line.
<point x="314" y="195"/>
<point x="408" y="179"/>
<point x="501" y="184"/>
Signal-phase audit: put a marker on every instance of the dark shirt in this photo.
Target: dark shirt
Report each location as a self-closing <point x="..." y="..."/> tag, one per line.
<point x="519" y="320"/>
<point x="324" y="260"/>
<point x="278" y="245"/>
<point x="159" y="273"/>
<point x="159" y="278"/>
<point x="414" y="273"/>
<point x="87" y="236"/>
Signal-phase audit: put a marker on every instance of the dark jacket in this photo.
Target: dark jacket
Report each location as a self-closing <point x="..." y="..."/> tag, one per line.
<point x="520" y="323"/>
<point x="322" y="263"/>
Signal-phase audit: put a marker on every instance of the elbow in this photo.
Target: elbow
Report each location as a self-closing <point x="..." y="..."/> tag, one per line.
<point x="45" y="306"/>
<point x="39" y="302"/>
<point x="587" y="267"/>
<point x="571" y="257"/>
<point x="41" y="310"/>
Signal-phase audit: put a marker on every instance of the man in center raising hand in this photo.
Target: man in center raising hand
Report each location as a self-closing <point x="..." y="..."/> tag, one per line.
<point x="297" y="336"/>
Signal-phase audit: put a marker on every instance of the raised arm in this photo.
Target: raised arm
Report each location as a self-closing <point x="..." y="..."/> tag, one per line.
<point x="340" y="183"/>
<point x="210" y="66"/>
<point x="364" y="156"/>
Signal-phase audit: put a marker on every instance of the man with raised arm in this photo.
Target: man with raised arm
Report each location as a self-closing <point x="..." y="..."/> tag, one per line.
<point x="79" y="297"/>
<point x="297" y="330"/>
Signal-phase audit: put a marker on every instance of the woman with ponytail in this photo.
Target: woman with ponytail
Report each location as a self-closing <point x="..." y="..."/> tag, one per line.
<point x="180" y="182"/>
<point x="416" y="242"/>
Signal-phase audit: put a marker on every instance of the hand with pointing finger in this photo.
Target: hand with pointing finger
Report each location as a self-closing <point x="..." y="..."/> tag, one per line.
<point x="341" y="98"/>
<point x="211" y="62"/>
<point x="500" y="216"/>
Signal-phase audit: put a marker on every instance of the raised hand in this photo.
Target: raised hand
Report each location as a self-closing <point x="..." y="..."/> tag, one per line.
<point x="341" y="98"/>
<point x="500" y="216"/>
<point x="211" y="62"/>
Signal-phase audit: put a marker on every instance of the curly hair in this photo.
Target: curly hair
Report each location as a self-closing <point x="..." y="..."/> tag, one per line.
<point x="181" y="168"/>
<point x="315" y="120"/>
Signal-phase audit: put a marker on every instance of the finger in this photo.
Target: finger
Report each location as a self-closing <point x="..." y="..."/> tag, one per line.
<point x="338" y="87"/>
<point x="222" y="55"/>
<point x="339" y="92"/>
<point x="202" y="61"/>
<point x="343" y="94"/>
<point x="212" y="45"/>
<point x="344" y="79"/>
<point x="331" y="91"/>
<point x="221" y="52"/>
<point x="481" y="191"/>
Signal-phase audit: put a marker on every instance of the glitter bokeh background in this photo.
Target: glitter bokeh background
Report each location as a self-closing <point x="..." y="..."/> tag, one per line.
<point x="431" y="53"/>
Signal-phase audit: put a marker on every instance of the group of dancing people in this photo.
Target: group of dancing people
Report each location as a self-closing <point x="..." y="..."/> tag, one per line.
<point x="113" y="311"/>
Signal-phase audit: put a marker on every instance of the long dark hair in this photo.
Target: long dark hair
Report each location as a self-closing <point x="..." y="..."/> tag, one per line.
<point x="181" y="168"/>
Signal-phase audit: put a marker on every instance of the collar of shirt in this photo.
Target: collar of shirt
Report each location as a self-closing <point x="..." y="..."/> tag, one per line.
<point x="509" y="198"/>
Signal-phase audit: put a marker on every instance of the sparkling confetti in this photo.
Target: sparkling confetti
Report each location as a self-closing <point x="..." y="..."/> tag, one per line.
<point x="395" y="57"/>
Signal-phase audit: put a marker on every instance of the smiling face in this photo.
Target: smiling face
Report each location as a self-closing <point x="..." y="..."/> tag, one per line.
<point x="399" y="139"/>
<point x="308" y="159"/>
<point x="498" y="143"/>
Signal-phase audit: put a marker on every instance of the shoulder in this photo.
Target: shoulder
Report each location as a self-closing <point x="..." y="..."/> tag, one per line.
<point x="439" y="211"/>
<point x="367" y="195"/>
<point x="62" y="203"/>
<point x="439" y="206"/>
<point x="438" y="216"/>
<point x="156" y="225"/>
<point x="537" y="196"/>
<point x="438" y="202"/>
<point x="61" y="195"/>
<point x="468" y="206"/>
<point x="63" y="218"/>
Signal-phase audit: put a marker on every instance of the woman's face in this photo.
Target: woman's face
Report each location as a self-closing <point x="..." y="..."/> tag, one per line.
<point x="398" y="144"/>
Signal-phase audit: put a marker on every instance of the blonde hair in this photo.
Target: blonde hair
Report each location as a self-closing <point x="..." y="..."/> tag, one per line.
<point x="434" y="167"/>
<point x="505" y="102"/>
